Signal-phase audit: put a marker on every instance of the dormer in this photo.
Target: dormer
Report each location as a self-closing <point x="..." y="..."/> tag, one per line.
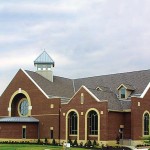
<point x="44" y="66"/>
<point x="125" y="90"/>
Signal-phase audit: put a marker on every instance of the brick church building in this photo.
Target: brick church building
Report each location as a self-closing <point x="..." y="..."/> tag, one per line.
<point x="38" y="105"/>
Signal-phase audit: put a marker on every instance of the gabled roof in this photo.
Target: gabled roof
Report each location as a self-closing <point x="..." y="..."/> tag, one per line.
<point x="65" y="88"/>
<point x="44" y="58"/>
<point x="107" y="96"/>
<point x="138" y="79"/>
<point x="126" y="86"/>
<point x="87" y="90"/>
<point x="60" y="87"/>
<point x="110" y="97"/>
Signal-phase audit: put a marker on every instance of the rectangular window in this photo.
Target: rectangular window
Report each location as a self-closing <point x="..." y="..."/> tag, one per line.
<point x="24" y="132"/>
<point x="51" y="134"/>
<point x="123" y="92"/>
<point x="52" y="106"/>
<point x="82" y="98"/>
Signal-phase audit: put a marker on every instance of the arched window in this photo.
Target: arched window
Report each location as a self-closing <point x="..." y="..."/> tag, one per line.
<point x="146" y="124"/>
<point x="93" y="123"/>
<point x="72" y="123"/>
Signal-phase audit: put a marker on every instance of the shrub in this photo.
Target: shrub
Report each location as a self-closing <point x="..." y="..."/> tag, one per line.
<point x="117" y="140"/>
<point x="53" y="142"/>
<point x="69" y="141"/>
<point x="94" y="143"/>
<point x="46" y="140"/>
<point x="89" y="143"/>
<point x="75" y="143"/>
<point x="38" y="142"/>
<point x="146" y="140"/>
<point x="85" y="145"/>
<point x="81" y="144"/>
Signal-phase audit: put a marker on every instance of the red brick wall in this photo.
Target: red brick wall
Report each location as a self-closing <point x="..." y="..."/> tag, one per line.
<point x="109" y="122"/>
<point x="89" y="102"/>
<point x="127" y="125"/>
<point x="115" y="120"/>
<point x="104" y="124"/>
<point x="14" y="130"/>
<point x="137" y="115"/>
<point x="45" y="123"/>
<point x="48" y="117"/>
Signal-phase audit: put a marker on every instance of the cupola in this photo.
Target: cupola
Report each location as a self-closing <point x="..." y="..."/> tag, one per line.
<point x="44" y="66"/>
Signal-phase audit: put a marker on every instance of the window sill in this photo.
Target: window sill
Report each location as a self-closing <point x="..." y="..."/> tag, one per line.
<point x="72" y="134"/>
<point x="93" y="135"/>
<point x="146" y="135"/>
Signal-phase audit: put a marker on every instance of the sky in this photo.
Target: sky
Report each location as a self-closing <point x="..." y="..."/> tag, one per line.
<point x="84" y="37"/>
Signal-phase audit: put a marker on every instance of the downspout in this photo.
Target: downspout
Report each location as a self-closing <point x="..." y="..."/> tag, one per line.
<point x="38" y="131"/>
<point x="59" y="125"/>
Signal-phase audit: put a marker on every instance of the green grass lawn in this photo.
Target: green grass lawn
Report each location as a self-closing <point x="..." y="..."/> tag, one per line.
<point x="32" y="147"/>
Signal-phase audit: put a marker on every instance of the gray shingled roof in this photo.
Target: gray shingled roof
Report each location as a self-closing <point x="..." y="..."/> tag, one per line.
<point x="63" y="87"/>
<point x="126" y="104"/>
<point x="137" y="79"/>
<point x="60" y="87"/>
<point x="111" y="97"/>
<point x="19" y="119"/>
<point x="129" y="87"/>
<point x="106" y="89"/>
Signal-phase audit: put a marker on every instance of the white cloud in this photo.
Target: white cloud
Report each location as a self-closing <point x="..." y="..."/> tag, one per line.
<point x="4" y="39"/>
<point x="62" y="60"/>
<point x="84" y="38"/>
<point x="15" y="59"/>
<point x="41" y="7"/>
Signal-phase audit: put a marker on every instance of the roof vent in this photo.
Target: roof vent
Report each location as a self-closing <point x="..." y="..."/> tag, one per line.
<point x="99" y="89"/>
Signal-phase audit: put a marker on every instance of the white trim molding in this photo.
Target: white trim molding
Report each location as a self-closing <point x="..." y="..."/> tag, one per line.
<point x="35" y="83"/>
<point x="145" y="91"/>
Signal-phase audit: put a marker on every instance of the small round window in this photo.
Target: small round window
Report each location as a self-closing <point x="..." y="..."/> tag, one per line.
<point x="23" y="107"/>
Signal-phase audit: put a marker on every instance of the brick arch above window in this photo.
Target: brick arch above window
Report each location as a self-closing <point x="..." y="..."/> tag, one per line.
<point x="146" y="123"/>
<point x="67" y="115"/>
<point x="12" y="98"/>
<point x="86" y="116"/>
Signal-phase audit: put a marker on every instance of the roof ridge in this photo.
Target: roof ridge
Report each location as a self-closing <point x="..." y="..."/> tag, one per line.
<point x="101" y="90"/>
<point x="54" y="75"/>
<point x="98" y="75"/>
<point x="112" y="74"/>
